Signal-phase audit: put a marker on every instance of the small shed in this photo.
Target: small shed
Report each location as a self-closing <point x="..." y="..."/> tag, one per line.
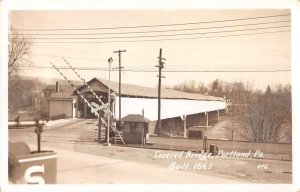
<point x="62" y="105"/>
<point x="135" y="129"/>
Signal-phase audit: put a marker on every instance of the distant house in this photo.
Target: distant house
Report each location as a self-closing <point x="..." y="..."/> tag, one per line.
<point x="62" y="104"/>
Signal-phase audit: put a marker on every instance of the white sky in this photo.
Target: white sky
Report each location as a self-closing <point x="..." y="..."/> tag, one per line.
<point x="256" y="52"/>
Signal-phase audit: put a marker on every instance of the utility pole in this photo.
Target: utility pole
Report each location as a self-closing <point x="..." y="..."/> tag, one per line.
<point x="110" y="60"/>
<point x="120" y="67"/>
<point x="160" y="67"/>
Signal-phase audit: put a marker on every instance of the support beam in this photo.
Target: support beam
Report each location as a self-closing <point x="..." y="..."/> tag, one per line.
<point x="206" y="119"/>
<point x="184" y="126"/>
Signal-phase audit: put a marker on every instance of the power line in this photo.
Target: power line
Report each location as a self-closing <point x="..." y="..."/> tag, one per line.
<point x="68" y="48"/>
<point x="169" y="39"/>
<point x="57" y="56"/>
<point x="161" y="35"/>
<point x="170" y="71"/>
<point x="177" y="67"/>
<point x="155" y="31"/>
<point x="158" y="25"/>
<point x="183" y="67"/>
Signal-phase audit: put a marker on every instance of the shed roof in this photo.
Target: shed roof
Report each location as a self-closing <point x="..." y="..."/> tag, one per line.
<point x="148" y="92"/>
<point x="62" y="96"/>
<point x="63" y="87"/>
<point x="135" y="118"/>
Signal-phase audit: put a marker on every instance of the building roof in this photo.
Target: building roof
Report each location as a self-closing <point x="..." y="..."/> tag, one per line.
<point x="65" y="91"/>
<point x="62" y="96"/>
<point x="62" y="88"/>
<point x="135" y="118"/>
<point x="148" y="92"/>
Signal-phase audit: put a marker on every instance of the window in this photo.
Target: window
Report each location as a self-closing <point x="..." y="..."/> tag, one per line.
<point x="127" y="128"/>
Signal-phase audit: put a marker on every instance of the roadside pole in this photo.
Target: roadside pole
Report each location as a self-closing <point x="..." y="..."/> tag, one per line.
<point x="110" y="60"/>
<point x="99" y="127"/>
<point x="120" y="84"/>
<point x="160" y="67"/>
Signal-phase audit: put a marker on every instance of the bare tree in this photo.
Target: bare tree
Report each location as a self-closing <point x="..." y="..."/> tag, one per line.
<point x="18" y="48"/>
<point x="186" y="86"/>
<point x="201" y="88"/>
<point x="253" y="115"/>
<point x="216" y="88"/>
<point x="191" y="86"/>
<point x="235" y="96"/>
<point x="265" y="115"/>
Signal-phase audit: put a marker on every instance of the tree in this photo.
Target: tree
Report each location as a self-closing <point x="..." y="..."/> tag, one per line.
<point x="18" y="49"/>
<point x="235" y="95"/>
<point x="186" y="86"/>
<point x="216" y="88"/>
<point x="191" y="86"/>
<point x="265" y="115"/>
<point x="201" y="88"/>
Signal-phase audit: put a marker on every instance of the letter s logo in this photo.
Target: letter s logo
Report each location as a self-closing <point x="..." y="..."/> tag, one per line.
<point x="34" y="179"/>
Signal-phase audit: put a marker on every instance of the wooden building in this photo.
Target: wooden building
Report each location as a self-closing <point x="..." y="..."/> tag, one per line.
<point x="62" y="105"/>
<point x="61" y="101"/>
<point x="135" y="129"/>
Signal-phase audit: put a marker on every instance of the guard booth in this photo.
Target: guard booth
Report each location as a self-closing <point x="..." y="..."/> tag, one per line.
<point x="135" y="129"/>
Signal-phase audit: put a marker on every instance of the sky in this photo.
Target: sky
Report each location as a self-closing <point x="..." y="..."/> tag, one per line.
<point x="256" y="52"/>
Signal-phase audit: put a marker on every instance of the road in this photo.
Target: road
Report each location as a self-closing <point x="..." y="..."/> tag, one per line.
<point x="85" y="161"/>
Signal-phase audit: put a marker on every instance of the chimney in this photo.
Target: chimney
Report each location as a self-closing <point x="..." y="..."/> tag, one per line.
<point x="143" y="112"/>
<point x="57" y="87"/>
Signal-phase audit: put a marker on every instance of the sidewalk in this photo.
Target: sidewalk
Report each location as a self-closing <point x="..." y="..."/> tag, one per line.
<point x="60" y="122"/>
<point x="80" y="168"/>
<point x="48" y="124"/>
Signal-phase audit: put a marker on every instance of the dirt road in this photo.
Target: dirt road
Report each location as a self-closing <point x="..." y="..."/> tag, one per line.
<point x="77" y="136"/>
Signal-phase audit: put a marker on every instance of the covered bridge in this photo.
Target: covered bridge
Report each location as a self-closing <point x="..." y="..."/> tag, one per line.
<point x="143" y="100"/>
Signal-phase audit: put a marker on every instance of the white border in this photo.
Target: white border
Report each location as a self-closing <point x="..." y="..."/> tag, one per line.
<point x="295" y="91"/>
<point x="3" y="96"/>
<point x="145" y="4"/>
<point x="160" y="187"/>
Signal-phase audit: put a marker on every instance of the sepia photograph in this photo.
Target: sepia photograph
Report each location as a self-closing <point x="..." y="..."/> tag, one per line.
<point x="149" y="96"/>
